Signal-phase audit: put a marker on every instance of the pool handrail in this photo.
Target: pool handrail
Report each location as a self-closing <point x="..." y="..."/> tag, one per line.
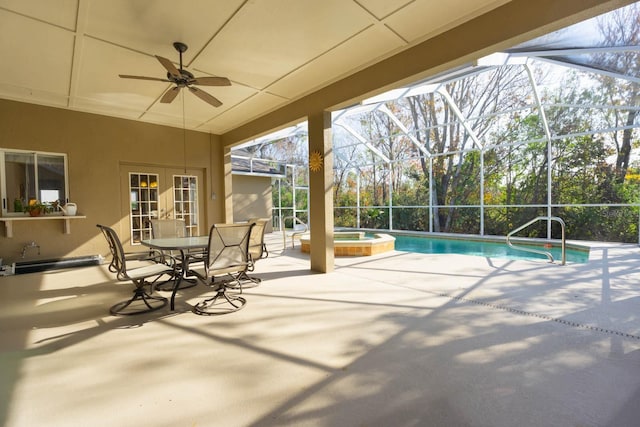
<point x="297" y="230"/>
<point x="546" y="253"/>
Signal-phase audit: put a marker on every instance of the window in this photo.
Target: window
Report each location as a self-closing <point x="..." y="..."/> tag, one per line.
<point x="26" y="176"/>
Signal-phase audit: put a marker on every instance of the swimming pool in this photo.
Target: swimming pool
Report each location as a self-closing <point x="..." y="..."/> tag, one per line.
<point x="485" y="247"/>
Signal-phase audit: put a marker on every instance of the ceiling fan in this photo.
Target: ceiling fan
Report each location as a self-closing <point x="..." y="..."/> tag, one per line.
<point x="183" y="78"/>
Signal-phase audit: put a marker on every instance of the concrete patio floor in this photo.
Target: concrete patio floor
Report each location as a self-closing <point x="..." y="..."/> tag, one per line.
<point x="399" y="339"/>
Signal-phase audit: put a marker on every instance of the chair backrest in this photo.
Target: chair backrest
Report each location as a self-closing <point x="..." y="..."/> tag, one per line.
<point x="166" y="228"/>
<point x="161" y="228"/>
<point x="118" y="263"/>
<point x="228" y="250"/>
<point x="256" y="240"/>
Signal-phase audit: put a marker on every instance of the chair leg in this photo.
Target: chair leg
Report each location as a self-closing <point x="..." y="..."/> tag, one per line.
<point x="247" y="281"/>
<point x="188" y="280"/>
<point x="149" y="303"/>
<point x="220" y="303"/>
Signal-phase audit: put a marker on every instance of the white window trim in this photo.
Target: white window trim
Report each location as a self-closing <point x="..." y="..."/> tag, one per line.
<point x="3" y="178"/>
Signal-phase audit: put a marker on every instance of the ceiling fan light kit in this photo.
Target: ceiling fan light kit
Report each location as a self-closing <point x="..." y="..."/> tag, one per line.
<point x="183" y="78"/>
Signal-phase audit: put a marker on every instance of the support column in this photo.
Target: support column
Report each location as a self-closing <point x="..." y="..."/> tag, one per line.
<point x="321" y="191"/>
<point x="228" y="187"/>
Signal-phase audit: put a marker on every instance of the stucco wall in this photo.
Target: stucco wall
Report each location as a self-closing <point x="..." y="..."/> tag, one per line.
<point x="97" y="146"/>
<point x="252" y="198"/>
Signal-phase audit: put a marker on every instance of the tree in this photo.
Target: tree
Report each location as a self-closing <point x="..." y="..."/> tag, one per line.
<point x="456" y="169"/>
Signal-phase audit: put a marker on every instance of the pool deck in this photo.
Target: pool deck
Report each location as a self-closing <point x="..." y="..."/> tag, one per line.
<point x="397" y="339"/>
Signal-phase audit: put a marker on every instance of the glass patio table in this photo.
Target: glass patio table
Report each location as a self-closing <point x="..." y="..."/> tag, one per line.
<point x="182" y="244"/>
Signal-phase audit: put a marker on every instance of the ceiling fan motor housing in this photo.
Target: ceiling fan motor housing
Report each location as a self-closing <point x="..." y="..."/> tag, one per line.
<point x="186" y="77"/>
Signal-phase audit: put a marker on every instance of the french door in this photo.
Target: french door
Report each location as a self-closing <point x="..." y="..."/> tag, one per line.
<point x="153" y="192"/>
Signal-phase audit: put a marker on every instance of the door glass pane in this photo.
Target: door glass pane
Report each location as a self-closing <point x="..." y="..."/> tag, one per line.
<point x="185" y="201"/>
<point x="143" y="200"/>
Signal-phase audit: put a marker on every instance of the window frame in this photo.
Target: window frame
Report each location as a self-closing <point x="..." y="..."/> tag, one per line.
<point x="3" y="177"/>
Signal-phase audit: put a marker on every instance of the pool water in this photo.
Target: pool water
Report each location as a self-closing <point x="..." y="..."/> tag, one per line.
<point x="351" y="239"/>
<point x="429" y="245"/>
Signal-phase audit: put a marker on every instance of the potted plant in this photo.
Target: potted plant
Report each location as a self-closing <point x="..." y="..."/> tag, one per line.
<point x="17" y="205"/>
<point x="35" y="208"/>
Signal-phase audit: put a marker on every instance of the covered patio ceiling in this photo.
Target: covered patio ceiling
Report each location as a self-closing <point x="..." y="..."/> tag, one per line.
<point x="277" y="53"/>
<point x="68" y="54"/>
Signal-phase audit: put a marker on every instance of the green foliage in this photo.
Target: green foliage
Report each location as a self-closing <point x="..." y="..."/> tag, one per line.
<point x="36" y="208"/>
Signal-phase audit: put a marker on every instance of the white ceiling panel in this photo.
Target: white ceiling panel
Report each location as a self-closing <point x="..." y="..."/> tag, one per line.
<point x="110" y="105"/>
<point x="424" y="19"/>
<point x="190" y="122"/>
<point x="152" y="26"/>
<point x="284" y="36"/>
<point x="97" y="75"/>
<point x="33" y="96"/>
<point x="353" y="54"/>
<point x="58" y="12"/>
<point x="383" y="8"/>
<point x="243" y="112"/>
<point x="40" y="60"/>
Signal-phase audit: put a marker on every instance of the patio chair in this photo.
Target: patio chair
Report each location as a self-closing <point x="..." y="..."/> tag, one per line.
<point x="226" y="260"/>
<point x="161" y="228"/>
<point x="168" y="228"/>
<point x="133" y="256"/>
<point x="257" y="249"/>
<point x="141" y="276"/>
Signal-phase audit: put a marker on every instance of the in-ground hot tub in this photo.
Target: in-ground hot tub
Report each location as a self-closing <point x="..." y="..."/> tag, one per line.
<point x="355" y="243"/>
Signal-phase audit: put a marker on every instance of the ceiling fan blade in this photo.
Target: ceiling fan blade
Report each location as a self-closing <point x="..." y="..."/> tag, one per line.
<point x="169" y="66"/>
<point x="126" y="76"/>
<point x="205" y="96"/>
<point x="211" y="81"/>
<point x="170" y="95"/>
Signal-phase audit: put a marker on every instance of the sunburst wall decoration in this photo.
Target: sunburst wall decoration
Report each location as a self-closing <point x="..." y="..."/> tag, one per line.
<point x="315" y="161"/>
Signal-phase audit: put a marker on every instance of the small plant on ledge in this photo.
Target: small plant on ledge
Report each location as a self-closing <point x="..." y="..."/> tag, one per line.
<point x="35" y="208"/>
